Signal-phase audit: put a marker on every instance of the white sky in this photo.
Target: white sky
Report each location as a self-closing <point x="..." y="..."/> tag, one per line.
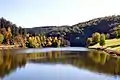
<point x="34" y="13"/>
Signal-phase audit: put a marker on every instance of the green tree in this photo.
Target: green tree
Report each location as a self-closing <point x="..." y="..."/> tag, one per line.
<point x="20" y="30"/>
<point x="115" y="34"/>
<point x="96" y="37"/>
<point x="1" y="38"/>
<point x="89" y="42"/>
<point x="13" y="30"/>
<point x="107" y="36"/>
<point x="54" y="42"/>
<point x="102" y="40"/>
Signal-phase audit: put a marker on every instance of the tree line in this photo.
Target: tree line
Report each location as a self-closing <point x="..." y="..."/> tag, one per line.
<point x="10" y="34"/>
<point x="76" y="35"/>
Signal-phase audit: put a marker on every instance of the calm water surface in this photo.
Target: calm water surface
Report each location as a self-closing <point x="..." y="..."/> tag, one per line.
<point x="58" y="64"/>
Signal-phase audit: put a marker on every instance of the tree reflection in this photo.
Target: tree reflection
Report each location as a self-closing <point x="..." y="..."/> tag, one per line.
<point x="10" y="61"/>
<point x="99" y="56"/>
<point x="97" y="61"/>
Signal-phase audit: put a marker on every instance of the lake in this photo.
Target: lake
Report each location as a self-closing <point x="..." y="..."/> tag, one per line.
<point x="70" y="63"/>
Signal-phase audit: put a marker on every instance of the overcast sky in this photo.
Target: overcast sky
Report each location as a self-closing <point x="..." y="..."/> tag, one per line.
<point x="33" y="13"/>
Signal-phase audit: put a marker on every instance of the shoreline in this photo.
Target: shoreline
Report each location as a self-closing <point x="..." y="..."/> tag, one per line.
<point x="9" y="47"/>
<point x="105" y="49"/>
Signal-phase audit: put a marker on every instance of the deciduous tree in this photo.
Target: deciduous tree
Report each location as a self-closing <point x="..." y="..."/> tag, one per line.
<point x="96" y="37"/>
<point x="102" y="40"/>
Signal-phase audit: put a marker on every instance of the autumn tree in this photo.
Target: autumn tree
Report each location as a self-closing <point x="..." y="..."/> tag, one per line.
<point x="8" y="35"/>
<point x="3" y="31"/>
<point x="48" y="43"/>
<point x="96" y="37"/>
<point x="58" y="43"/>
<point x="34" y="42"/>
<point x="19" y="41"/>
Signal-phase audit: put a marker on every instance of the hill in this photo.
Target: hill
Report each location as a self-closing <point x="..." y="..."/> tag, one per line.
<point x="14" y="28"/>
<point x="78" y="33"/>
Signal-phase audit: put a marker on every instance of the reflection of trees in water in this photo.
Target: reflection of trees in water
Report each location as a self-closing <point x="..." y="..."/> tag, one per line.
<point x="53" y="54"/>
<point x="94" y="60"/>
<point x="99" y="56"/>
<point x="105" y="62"/>
<point x="9" y="62"/>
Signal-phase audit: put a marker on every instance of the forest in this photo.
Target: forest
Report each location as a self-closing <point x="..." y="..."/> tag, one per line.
<point x="78" y="34"/>
<point x="10" y="34"/>
<point x="60" y="36"/>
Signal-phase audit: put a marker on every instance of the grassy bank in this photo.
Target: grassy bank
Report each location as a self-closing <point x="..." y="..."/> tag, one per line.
<point x="112" y="44"/>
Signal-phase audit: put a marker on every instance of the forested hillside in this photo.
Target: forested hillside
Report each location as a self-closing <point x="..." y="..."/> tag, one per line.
<point x="75" y="35"/>
<point x="10" y="34"/>
<point x="78" y="33"/>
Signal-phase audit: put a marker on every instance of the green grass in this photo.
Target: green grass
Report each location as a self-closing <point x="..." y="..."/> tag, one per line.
<point x="113" y="44"/>
<point x="116" y="48"/>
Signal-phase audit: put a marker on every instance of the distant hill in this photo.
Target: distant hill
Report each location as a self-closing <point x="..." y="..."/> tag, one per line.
<point x="40" y="30"/>
<point x="78" y="33"/>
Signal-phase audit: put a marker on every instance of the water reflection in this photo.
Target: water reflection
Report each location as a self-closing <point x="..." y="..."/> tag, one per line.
<point x="105" y="63"/>
<point x="95" y="61"/>
<point x="9" y="62"/>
